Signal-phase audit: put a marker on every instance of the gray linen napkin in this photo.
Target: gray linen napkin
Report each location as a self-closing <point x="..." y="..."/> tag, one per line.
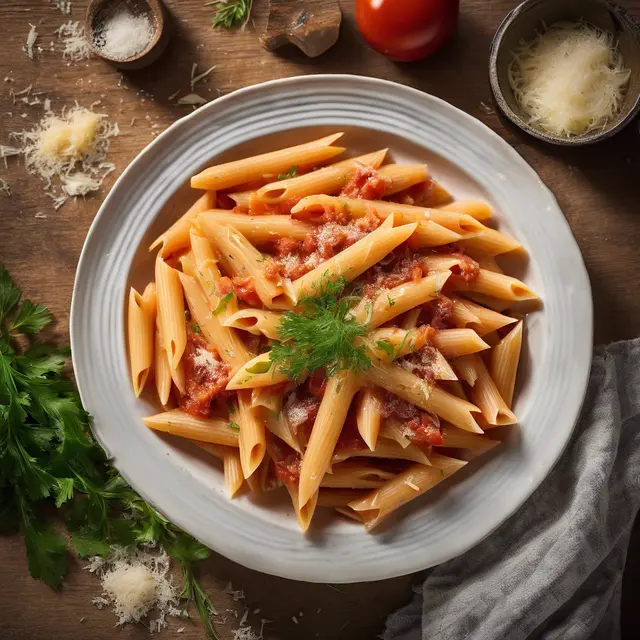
<point x="554" y="569"/>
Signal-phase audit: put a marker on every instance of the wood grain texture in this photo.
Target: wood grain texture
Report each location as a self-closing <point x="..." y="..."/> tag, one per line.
<point x="597" y="188"/>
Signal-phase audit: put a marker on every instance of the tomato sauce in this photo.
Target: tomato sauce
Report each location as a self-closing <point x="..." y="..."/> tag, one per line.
<point x="300" y="410"/>
<point x="437" y="313"/>
<point x="243" y="289"/>
<point x="206" y="376"/>
<point x="287" y="462"/>
<point x="350" y="438"/>
<point x="416" y="195"/>
<point x="419" y="426"/>
<point x="365" y="183"/>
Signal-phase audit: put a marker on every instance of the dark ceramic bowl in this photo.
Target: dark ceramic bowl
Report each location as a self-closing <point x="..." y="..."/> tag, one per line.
<point x="99" y="10"/>
<point x="522" y="23"/>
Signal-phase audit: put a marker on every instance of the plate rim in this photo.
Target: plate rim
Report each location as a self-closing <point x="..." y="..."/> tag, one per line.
<point x="375" y="84"/>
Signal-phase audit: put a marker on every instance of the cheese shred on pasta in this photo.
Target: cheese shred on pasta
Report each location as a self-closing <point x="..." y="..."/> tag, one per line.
<point x="570" y="79"/>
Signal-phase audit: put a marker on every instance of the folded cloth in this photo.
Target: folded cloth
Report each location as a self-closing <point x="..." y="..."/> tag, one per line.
<point x="554" y="569"/>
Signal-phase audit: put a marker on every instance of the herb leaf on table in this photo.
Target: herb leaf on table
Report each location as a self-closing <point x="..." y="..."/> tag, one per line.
<point x="48" y="456"/>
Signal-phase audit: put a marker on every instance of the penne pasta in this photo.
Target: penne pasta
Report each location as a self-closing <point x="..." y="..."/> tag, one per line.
<point x="304" y="512"/>
<point x="406" y="486"/>
<point x="233" y="478"/>
<point x="410" y="321"/>
<point x="355" y="474"/>
<point x="490" y="242"/>
<point x="179" y="423"/>
<point x="326" y="429"/>
<point x="369" y="415"/>
<point x="505" y="357"/>
<point x="231" y="349"/>
<point x="141" y="327"/>
<point x="257" y="372"/>
<point x="252" y="435"/>
<point x="466" y="368"/>
<point x="453" y="343"/>
<point x="279" y="426"/>
<point x="260" y="229"/>
<point x="256" y="321"/>
<point x="455" y="438"/>
<point x="171" y="310"/>
<point x="386" y="449"/>
<point x="240" y="257"/>
<point x="176" y="237"/>
<point x="486" y="396"/>
<point x="231" y="174"/>
<point x="497" y="285"/>
<point x="474" y="316"/>
<point x="474" y="208"/>
<point x="334" y="498"/>
<point x="269" y="398"/>
<point x="326" y="180"/>
<point x="403" y="176"/>
<point x="162" y="370"/>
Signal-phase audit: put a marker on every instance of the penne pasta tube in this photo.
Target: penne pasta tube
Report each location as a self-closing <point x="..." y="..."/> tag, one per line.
<point x="141" y="330"/>
<point x="393" y="302"/>
<point x="455" y="410"/>
<point x="162" y="371"/>
<point x="474" y="316"/>
<point x="227" y="343"/>
<point x="369" y="415"/>
<point x="354" y="474"/>
<point x="334" y="498"/>
<point x="497" y="285"/>
<point x="490" y="242"/>
<point x="436" y="196"/>
<point x="489" y="263"/>
<point x="486" y="396"/>
<point x="257" y="372"/>
<point x="239" y="257"/>
<point x="268" y="398"/>
<point x="429" y="232"/>
<point x="256" y="321"/>
<point x="441" y="368"/>
<point x="253" y="444"/>
<point x="403" y="176"/>
<point x="393" y="429"/>
<point x="486" y="301"/>
<point x="326" y="430"/>
<point x="356" y="259"/>
<point x="176" y="237"/>
<point x="410" y="321"/>
<point x="233" y="478"/>
<point x="397" y="342"/>
<point x="505" y="357"/>
<point x="180" y="423"/>
<point x="384" y="449"/>
<point x="453" y="343"/>
<point x="204" y="268"/>
<point x="179" y="378"/>
<point x="279" y="426"/>
<point x="466" y="368"/>
<point x="230" y="174"/>
<point x="326" y="180"/>
<point x="459" y="439"/>
<point x="171" y="309"/>
<point x="260" y="229"/>
<point x="474" y="208"/>
<point x="406" y="486"/>
<point x="304" y="513"/>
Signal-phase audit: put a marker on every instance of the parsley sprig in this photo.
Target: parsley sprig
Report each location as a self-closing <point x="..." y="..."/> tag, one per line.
<point x="321" y="334"/>
<point x="230" y="13"/>
<point x="48" y="454"/>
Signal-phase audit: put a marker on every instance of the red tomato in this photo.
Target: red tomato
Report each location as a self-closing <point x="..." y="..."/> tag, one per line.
<point x="407" y="30"/>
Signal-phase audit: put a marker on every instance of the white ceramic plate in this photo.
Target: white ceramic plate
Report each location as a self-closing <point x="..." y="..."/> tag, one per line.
<point x="471" y="161"/>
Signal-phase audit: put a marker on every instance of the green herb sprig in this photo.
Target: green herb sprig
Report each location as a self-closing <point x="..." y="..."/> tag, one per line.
<point x="321" y="334"/>
<point x="230" y="13"/>
<point x="292" y="173"/>
<point x="48" y="455"/>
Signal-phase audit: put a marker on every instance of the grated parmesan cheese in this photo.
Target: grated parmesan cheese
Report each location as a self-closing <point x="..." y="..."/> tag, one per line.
<point x="124" y="34"/>
<point x="71" y="147"/>
<point x="32" y="36"/>
<point x="205" y="361"/>
<point x="192" y="99"/>
<point x="570" y="79"/>
<point x="74" y="41"/>
<point x="136" y="583"/>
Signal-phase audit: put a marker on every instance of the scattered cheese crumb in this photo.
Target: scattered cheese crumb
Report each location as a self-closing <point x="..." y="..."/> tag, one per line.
<point x="4" y="186"/>
<point x="192" y="99"/>
<point x="412" y="485"/>
<point x="39" y="214"/>
<point x="64" y="6"/>
<point x="32" y="36"/>
<point x="136" y="583"/>
<point x="76" y="45"/>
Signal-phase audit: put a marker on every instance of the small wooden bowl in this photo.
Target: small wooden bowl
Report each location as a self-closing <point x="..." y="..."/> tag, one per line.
<point x="99" y="10"/>
<point x="522" y="24"/>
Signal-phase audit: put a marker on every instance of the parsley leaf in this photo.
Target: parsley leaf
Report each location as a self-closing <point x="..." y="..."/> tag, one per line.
<point x="320" y="334"/>
<point x="387" y="347"/>
<point x="234" y="425"/>
<point x="31" y="318"/>
<point x="195" y="327"/>
<point x="10" y="294"/>
<point x="390" y="301"/>
<point x="292" y="173"/>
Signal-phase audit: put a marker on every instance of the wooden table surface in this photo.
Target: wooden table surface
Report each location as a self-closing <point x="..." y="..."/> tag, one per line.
<point x="597" y="187"/>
